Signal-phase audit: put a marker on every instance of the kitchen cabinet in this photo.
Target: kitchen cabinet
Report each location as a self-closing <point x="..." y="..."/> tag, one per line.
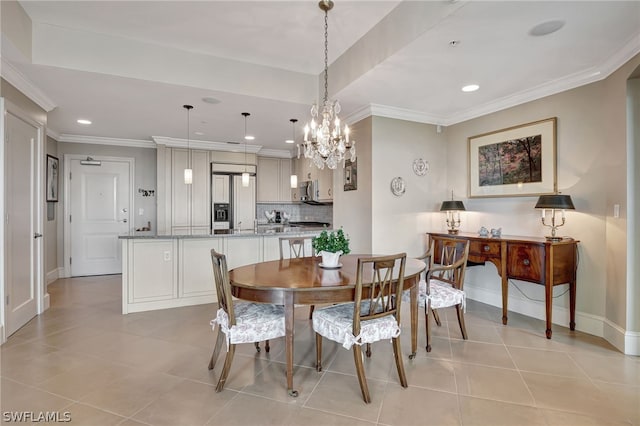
<point x="183" y="209"/>
<point x="307" y="171"/>
<point x="190" y="208"/>
<point x="220" y="189"/>
<point x="244" y="203"/>
<point x="273" y="180"/>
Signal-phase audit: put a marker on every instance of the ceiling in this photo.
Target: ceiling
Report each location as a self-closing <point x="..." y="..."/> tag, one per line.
<point x="130" y="66"/>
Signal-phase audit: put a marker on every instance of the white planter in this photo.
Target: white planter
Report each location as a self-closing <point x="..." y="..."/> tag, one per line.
<point x="329" y="259"/>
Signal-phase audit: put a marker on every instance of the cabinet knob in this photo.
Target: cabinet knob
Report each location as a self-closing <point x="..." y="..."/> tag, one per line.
<point x="486" y="248"/>
<point x="526" y="262"/>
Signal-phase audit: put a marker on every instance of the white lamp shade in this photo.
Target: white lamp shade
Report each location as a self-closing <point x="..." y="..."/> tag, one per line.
<point x="245" y="179"/>
<point x="188" y="176"/>
<point x="294" y="181"/>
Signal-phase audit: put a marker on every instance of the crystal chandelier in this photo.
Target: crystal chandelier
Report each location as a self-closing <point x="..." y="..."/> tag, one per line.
<point x="324" y="142"/>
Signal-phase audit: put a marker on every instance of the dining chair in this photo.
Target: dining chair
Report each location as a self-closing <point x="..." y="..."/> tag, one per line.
<point x="294" y="248"/>
<point x="444" y="282"/>
<point x="374" y="315"/>
<point x="239" y="322"/>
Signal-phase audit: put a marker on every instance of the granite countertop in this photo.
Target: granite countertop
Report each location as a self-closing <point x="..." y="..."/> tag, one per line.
<point x="266" y="230"/>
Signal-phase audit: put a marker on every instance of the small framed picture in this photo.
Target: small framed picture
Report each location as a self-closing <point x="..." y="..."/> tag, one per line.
<point x="53" y="168"/>
<point x="350" y="175"/>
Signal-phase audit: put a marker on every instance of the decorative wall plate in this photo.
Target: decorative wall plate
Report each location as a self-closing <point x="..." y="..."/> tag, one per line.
<point x="420" y="167"/>
<point x="397" y="186"/>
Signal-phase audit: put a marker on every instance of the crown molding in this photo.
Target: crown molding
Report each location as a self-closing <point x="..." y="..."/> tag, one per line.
<point x="18" y="80"/>
<point x="210" y="145"/>
<point x="277" y="153"/>
<point x="96" y="140"/>
<point x="620" y="57"/>
<point x="52" y="134"/>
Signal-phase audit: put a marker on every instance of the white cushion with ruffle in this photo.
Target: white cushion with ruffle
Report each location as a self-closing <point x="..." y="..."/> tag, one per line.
<point x="442" y="295"/>
<point x="255" y="322"/>
<point x="336" y="323"/>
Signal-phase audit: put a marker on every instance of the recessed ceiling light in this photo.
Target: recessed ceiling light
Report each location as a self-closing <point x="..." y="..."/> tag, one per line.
<point x="470" y="88"/>
<point x="289" y="141"/>
<point x="83" y="121"/>
<point x="249" y="137"/>
<point x="210" y="100"/>
<point x="546" y="28"/>
<point x="198" y="133"/>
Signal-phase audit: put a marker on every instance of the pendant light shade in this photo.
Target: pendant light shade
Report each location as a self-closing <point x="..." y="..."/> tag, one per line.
<point x="188" y="172"/>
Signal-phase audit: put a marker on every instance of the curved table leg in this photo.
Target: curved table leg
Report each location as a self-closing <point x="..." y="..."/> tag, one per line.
<point x="288" y="340"/>
<point x="414" y="318"/>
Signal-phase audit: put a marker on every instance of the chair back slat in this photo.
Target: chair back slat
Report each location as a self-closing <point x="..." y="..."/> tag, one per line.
<point x="294" y="247"/>
<point x="223" y="285"/>
<point x="384" y="295"/>
<point x="453" y="257"/>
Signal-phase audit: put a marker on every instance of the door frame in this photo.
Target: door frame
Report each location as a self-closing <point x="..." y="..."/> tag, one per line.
<point x="67" y="200"/>
<point x="7" y="107"/>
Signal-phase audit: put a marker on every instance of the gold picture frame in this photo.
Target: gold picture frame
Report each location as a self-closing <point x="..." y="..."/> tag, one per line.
<point x="518" y="161"/>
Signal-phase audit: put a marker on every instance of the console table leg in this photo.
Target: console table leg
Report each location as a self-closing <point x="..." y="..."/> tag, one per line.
<point x="505" y="297"/>
<point x="572" y="305"/>
<point x="548" y="300"/>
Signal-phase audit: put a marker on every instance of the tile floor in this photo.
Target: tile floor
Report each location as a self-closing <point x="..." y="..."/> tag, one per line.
<point x="103" y="368"/>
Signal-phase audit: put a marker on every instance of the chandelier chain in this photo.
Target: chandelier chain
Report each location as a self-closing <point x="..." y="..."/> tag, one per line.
<point x="326" y="57"/>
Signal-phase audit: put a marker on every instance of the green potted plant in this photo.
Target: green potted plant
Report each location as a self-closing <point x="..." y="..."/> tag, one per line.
<point x="331" y="245"/>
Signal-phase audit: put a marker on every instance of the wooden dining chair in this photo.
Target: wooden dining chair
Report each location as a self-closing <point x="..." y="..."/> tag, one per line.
<point x="239" y="322"/>
<point x="444" y="282"/>
<point x="374" y="315"/>
<point x="294" y="248"/>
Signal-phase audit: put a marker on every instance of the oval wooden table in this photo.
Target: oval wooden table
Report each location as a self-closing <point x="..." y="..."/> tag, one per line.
<point x="302" y="281"/>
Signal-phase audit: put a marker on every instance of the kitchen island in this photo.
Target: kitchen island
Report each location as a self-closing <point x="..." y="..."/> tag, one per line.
<point x="169" y="271"/>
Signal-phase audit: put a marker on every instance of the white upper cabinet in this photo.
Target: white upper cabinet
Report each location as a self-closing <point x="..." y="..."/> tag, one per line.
<point x="273" y="180"/>
<point x="220" y="188"/>
<point x="244" y="203"/>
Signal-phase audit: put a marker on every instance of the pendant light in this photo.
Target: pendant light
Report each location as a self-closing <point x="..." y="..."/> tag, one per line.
<point x="294" y="178"/>
<point x="245" y="175"/>
<point x="188" y="172"/>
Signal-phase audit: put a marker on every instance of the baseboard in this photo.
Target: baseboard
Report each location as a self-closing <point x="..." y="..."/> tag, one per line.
<point x="54" y="275"/>
<point x="627" y="342"/>
<point x="586" y="323"/>
<point x="632" y="343"/>
<point x="2" y="337"/>
<point x="46" y="302"/>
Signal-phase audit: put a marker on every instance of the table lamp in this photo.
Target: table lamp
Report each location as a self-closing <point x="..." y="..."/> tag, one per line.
<point x="554" y="202"/>
<point x="452" y="208"/>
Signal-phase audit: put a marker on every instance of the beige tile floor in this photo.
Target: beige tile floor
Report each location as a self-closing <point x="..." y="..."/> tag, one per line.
<point x="85" y="358"/>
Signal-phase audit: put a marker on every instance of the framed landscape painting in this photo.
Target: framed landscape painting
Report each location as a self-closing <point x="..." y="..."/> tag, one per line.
<point x="517" y="161"/>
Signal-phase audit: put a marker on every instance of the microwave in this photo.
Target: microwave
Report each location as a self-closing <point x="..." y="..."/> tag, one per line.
<point x="309" y="191"/>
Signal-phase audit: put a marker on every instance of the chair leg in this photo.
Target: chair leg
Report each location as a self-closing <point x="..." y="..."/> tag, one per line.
<point x="227" y="366"/>
<point x="318" y="352"/>
<point x="266" y="346"/>
<point x="460" y="313"/>
<point x="311" y="309"/>
<point x="427" y="327"/>
<point x="397" y="353"/>
<point x="257" y="344"/>
<point x="216" y="348"/>
<point x="368" y="351"/>
<point x="436" y="317"/>
<point x="357" y="357"/>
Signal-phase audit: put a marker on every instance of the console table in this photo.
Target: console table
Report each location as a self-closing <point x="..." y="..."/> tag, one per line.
<point x="536" y="260"/>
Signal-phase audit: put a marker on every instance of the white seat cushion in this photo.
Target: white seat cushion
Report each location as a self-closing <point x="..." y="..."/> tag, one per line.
<point x="255" y="322"/>
<point x="336" y="323"/>
<point x="442" y="295"/>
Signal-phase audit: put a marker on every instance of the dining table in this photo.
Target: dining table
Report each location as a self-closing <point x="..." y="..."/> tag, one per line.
<point x="303" y="281"/>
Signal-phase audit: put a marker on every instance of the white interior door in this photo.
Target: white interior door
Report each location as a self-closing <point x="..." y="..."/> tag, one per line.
<point x="22" y="224"/>
<point x="99" y="197"/>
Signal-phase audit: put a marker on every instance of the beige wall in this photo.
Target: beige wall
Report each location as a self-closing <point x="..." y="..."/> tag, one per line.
<point x="400" y="223"/>
<point x="352" y="210"/>
<point x="51" y="220"/>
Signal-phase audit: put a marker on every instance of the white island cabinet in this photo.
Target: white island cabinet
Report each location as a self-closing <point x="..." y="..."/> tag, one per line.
<point x="169" y="271"/>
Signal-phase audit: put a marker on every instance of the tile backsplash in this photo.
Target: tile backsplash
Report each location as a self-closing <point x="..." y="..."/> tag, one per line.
<point x="297" y="212"/>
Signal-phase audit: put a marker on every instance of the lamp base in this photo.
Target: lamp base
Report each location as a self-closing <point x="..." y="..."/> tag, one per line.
<point x="452" y="231"/>
<point x="549" y="238"/>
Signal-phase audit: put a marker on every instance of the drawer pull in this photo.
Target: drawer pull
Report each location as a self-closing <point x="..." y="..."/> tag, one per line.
<point x="526" y="262"/>
<point x="487" y="248"/>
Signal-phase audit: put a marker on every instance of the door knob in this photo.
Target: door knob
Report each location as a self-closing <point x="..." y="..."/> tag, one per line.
<point x="124" y="220"/>
<point x="124" y="210"/>
<point x="37" y="235"/>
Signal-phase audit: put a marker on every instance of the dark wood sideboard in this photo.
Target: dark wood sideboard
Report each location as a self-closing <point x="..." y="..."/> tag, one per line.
<point x="532" y="259"/>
